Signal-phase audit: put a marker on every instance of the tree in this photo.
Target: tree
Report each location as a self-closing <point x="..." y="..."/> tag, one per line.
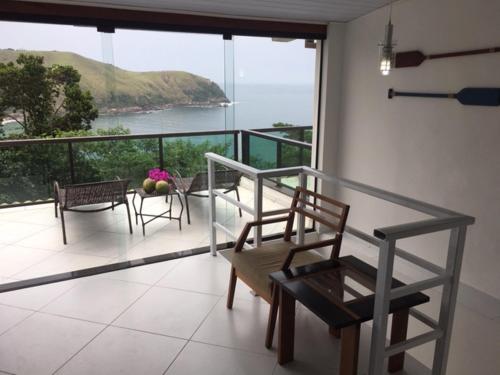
<point x="44" y="99"/>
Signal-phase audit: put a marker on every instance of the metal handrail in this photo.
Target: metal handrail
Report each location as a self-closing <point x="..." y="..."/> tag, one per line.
<point x="284" y="128"/>
<point x="94" y="138"/>
<point x="386" y="195"/>
<point x="448" y="277"/>
<point x="396" y="232"/>
<point x="275" y="138"/>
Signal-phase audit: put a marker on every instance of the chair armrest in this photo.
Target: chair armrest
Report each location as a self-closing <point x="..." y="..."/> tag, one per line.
<point x="246" y="230"/>
<point x="179" y="181"/>
<point x="311" y="246"/>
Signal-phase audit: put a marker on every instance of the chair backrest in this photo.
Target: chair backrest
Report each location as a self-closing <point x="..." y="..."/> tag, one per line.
<point x="323" y="209"/>
<point x="224" y="179"/>
<point x="95" y="193"/>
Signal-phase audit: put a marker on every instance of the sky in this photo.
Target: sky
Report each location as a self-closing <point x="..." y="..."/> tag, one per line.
<point x="256" y="60"/>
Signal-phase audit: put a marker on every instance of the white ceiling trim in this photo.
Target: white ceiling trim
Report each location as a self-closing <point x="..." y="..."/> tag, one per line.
<point x="311" y="11"/>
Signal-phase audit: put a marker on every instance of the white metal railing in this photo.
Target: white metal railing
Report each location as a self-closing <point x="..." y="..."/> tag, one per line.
<point x="385" y="238"/>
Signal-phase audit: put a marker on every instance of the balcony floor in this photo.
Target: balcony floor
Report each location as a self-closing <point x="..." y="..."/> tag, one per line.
<point x="31" y="238"/>
<point x="170" y="317"/>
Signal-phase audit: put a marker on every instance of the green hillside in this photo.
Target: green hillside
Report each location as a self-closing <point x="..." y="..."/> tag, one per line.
<point x="118" y="89"/>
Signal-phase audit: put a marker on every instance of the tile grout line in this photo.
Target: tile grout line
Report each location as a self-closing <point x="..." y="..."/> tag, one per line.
<point x="106" y="326"/>
<point x="194" y="332"/>
<point x="233" y="348"/>
<point x="35" y="264"/>
<point x="35" y="311"/>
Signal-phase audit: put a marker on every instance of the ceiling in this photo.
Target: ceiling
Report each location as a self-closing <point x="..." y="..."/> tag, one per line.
<point x="300" y="10"/>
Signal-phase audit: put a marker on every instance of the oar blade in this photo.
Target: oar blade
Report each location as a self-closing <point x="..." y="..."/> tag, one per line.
<point x="409" y="59"/>
<point x="488" y="96"/>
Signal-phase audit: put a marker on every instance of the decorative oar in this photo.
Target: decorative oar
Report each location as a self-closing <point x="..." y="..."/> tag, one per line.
<point x="469" y="96"/>
<point x="415" y="58"/>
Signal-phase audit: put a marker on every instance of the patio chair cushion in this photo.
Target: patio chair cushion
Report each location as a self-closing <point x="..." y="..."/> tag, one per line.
<point x="254" y="266"/>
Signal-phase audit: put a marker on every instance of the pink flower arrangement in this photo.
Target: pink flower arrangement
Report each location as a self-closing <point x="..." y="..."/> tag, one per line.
<point x="158" y="174"/>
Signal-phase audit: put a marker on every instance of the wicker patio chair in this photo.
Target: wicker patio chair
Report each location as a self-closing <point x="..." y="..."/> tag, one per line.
<point x="254" y="266"/>
<point x="70" y="197"/>
<point x="228" y="180"/>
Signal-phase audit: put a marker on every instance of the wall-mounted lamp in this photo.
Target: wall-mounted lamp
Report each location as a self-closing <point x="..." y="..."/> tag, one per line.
<point x="387" y="54"/>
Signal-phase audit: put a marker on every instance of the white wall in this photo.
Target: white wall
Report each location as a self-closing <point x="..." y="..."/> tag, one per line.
<point x="330" y="55"/>
<point x="436" y="150"/>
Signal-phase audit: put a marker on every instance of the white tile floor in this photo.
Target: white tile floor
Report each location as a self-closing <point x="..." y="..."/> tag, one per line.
<point x="31" y="239"/>
<point x="170" y="318"/>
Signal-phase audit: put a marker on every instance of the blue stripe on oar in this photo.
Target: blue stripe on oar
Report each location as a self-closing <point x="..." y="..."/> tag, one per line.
<point x="479" y="96"/>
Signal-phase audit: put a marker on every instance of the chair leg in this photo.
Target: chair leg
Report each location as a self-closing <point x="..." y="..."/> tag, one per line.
<point x="273" y="313"/>
<point x="63" y="225"/>
<point x="55" y="207"/>
<point x="187" y="208"/>
<point x="129" y="219"/>
<point x="232" y="288"/>
<point x="238" y="198"/>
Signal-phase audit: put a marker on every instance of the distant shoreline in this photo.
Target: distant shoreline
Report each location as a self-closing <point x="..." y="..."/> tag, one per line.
<point x="138" y="109"/>
<point x="145" y="110"/>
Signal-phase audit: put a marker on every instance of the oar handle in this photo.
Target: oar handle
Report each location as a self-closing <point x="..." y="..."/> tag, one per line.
<point x="464" y="53"/>
<point x="392" y="93"/>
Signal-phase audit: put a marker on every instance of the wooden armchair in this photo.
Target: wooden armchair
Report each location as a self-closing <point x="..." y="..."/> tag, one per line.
<point x="254" y="266"/>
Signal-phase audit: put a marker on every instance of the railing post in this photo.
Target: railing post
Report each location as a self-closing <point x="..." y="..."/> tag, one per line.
<point x="449" y="299"/>
<point x="257" y="210"/>
<point x="71" y="162"/>
<point x="245" y="147"/>
<point x="160" y="153"/>
<point x="212" y="209"/>
<point x="235" y="145"/>
<point x="301" y="149"/>
<point x="279" y="151"/>
<point x="301" y="221"/>
<point x="381" y="308"/>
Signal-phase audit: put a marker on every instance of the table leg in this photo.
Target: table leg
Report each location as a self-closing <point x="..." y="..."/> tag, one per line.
<point x="273" y="313"/>
<point x="349" y="350"/>
<point x="398" y="333"/>
<point x="170" y="209"/>
<point x="182" y="209"/>
<point x="286" y="329"/>
<point x="135" y="209"/>
<point x="142" y="219"/>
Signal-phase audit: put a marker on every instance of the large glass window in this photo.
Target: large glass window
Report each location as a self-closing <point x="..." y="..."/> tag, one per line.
<point x="137" y="94"/>
<point x="274" y="82"/>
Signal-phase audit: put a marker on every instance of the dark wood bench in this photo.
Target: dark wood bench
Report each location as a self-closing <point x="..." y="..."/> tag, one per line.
<point x="73" y="197"/>
<point x="320" y="287"/>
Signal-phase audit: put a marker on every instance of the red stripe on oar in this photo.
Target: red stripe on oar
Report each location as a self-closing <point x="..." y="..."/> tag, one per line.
<point x="409" y="59"/>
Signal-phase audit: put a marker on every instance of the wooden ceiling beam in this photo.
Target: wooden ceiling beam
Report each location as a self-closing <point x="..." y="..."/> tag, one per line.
<point x="107" y="18"/>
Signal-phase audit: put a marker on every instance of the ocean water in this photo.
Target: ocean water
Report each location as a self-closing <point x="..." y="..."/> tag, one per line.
<point x="255" y="106"/>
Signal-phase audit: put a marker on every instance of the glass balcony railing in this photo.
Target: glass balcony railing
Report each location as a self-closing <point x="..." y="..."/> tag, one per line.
<point x="265" y="151"/>
<point x="29" y="167"/>
<point x="271" y="148"/>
